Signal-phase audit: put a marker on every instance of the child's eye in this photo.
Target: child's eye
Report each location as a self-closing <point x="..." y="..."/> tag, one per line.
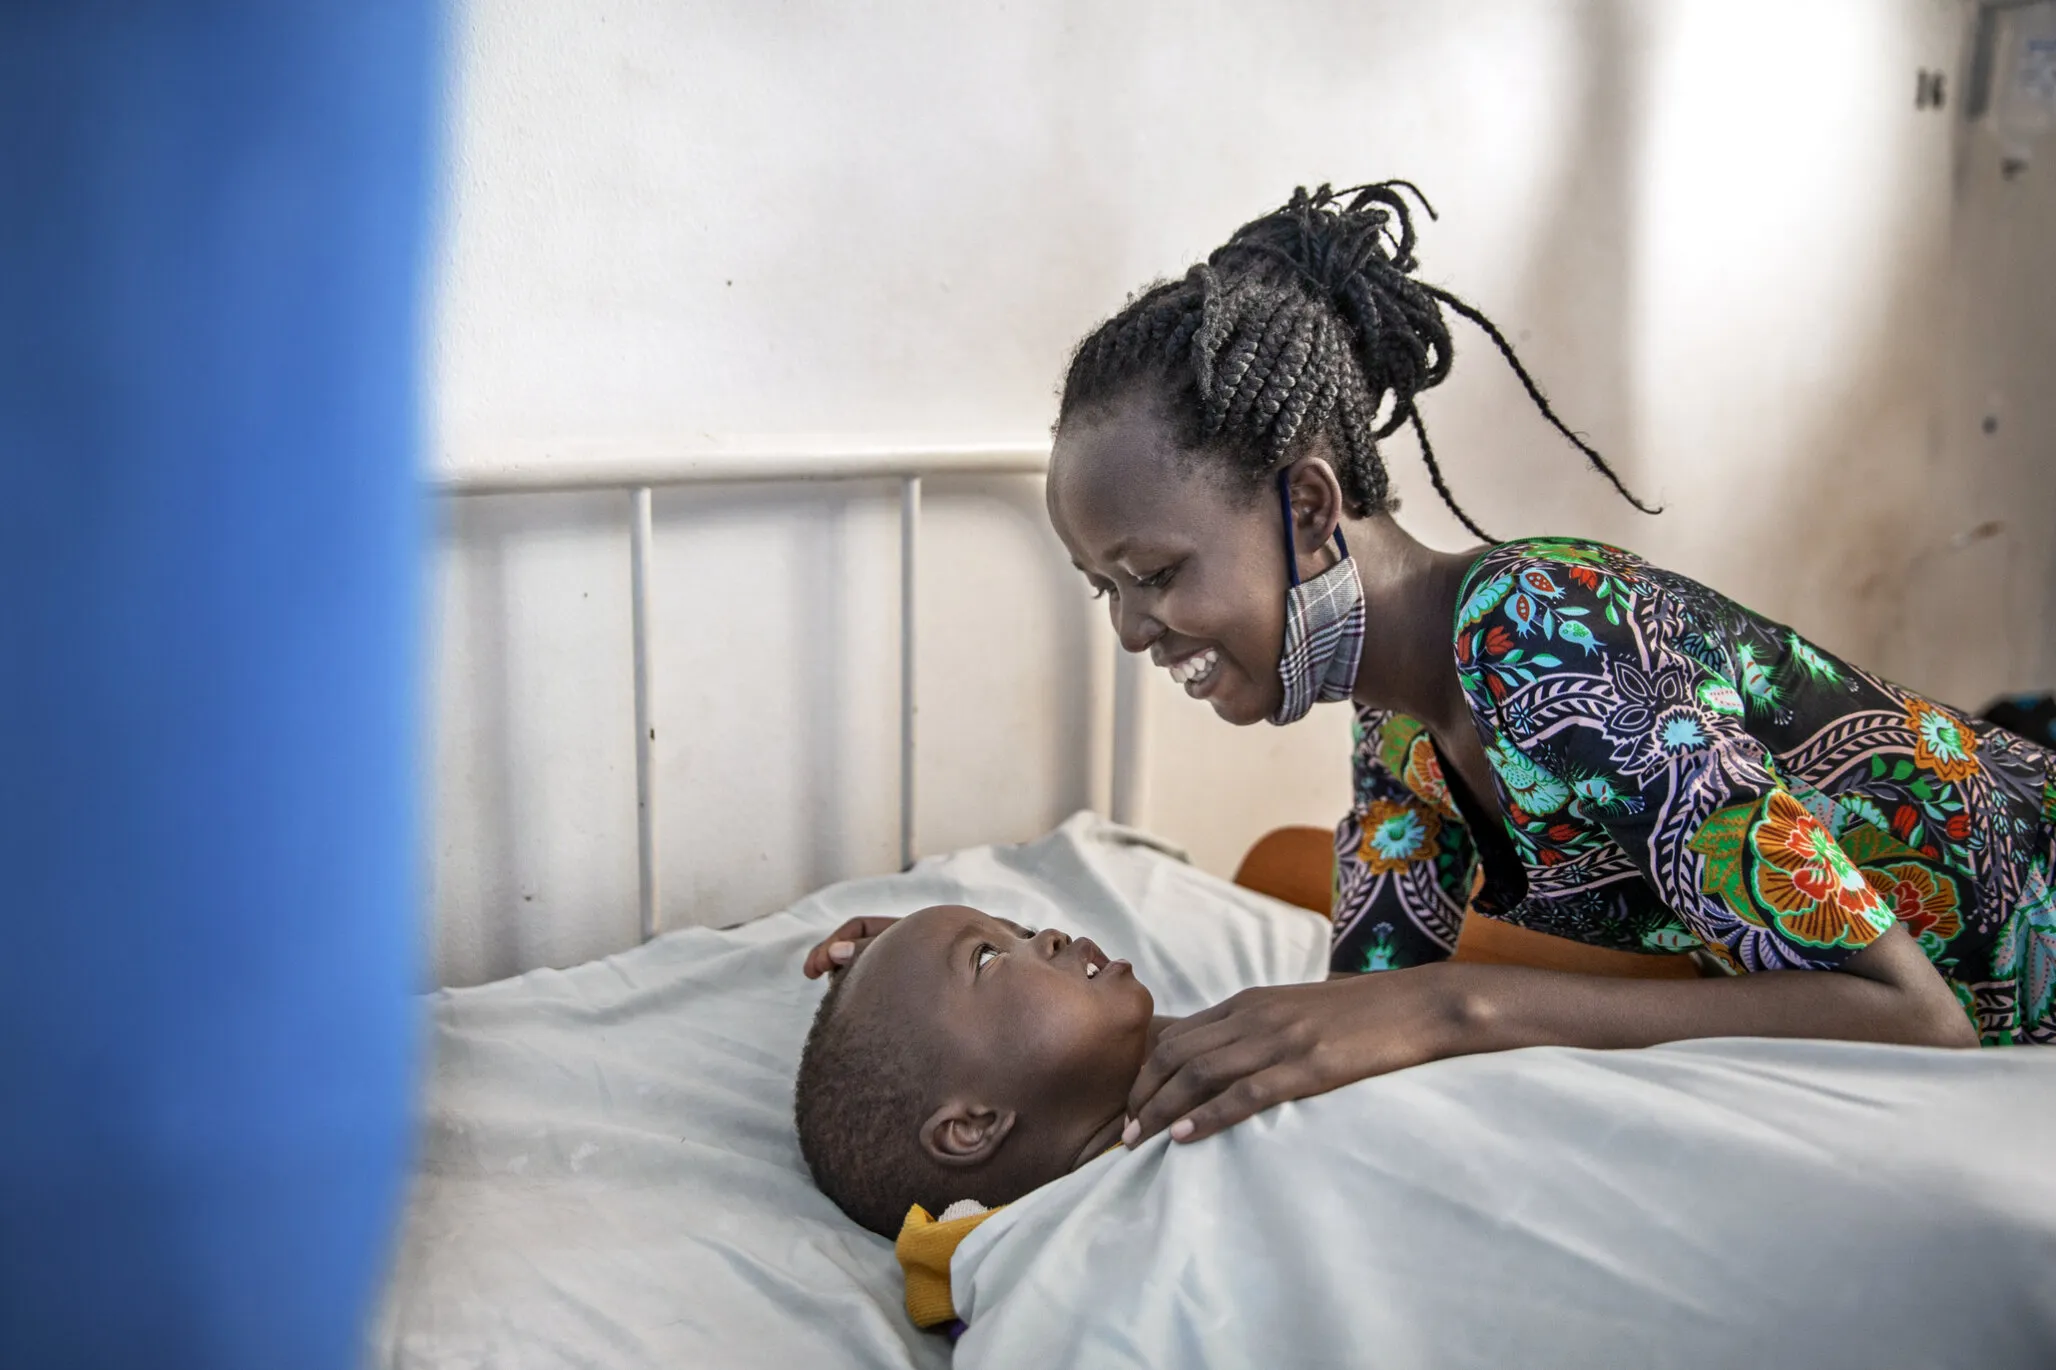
<point x="1100" y="591"/>
<point x="983" y="954"/>
<point x="1156" y="580"/>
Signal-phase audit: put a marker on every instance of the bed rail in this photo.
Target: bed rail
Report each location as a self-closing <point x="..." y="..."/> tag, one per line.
<point x="638" y="473"/>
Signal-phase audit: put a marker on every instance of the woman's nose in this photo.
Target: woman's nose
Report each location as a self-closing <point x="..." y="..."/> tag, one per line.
<point x="1052" y="941"/>
<point x="1137" y="630"/>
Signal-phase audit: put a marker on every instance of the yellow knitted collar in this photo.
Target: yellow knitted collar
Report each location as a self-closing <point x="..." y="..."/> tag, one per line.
<point x="924" y="1249"/>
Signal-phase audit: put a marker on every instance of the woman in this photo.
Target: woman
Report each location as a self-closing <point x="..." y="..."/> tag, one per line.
<point x="1552" y="732"/>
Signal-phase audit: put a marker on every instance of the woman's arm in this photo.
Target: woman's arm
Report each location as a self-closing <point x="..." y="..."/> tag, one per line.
<point x="1265" y="1046"/>
<point x="1888" y="992"/>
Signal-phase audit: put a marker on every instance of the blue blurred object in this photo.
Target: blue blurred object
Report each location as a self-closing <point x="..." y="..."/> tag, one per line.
<point x="212" y="222"/>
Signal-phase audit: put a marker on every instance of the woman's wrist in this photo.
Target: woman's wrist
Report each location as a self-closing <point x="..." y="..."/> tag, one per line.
<point x="1457" y="1018"/>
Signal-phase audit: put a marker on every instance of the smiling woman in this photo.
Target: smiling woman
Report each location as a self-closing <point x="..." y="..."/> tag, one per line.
<point x="1550" y="732"/>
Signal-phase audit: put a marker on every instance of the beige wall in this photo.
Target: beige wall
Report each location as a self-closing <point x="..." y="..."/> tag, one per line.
<point x="1718" y="228"/>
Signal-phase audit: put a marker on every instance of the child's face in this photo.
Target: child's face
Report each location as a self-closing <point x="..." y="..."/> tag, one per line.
<point x="1038" y="1035"/>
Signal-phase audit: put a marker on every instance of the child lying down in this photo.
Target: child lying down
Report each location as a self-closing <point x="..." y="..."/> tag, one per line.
<point x="967" y="1057"/>
<point x="1712" y="1202"/>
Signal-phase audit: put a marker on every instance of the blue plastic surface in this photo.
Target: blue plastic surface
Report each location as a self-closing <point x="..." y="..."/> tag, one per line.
<point x="212" y="223"/>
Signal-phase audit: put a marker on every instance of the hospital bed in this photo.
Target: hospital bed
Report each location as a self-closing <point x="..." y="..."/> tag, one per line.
<point x="608" y="1175"/>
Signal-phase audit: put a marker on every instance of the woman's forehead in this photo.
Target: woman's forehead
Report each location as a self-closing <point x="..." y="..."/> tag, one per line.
<point x="1120" y="483"/>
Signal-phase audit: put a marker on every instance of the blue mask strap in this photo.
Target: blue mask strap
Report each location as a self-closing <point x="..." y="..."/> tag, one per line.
<point x="1291" y="551"/>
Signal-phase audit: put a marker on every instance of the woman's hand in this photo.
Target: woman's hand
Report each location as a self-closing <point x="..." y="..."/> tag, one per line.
<point x="1264" y="1046"/>
<point x="840" y="947"/>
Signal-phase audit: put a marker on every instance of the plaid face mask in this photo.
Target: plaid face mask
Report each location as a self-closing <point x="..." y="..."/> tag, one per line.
<point x="1324" y="628"/>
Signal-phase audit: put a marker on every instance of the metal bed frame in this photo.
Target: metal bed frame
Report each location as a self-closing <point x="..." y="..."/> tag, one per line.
<point x="640" y="475"/>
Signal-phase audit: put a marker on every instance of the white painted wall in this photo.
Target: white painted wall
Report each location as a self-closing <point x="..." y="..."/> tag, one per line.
<point x="1718" y="228"/>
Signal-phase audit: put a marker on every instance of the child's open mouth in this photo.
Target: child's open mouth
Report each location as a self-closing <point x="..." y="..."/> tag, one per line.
<point x="1093" y="958"/>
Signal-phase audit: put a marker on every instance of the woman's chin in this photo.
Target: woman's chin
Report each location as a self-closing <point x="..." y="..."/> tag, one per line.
<point x="1236" y="707"/>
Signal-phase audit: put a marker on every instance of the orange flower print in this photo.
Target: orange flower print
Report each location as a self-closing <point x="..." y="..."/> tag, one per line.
<point x="1585" y="576"/>
<point x="1942" y="743"/>
<point x="1423" y="775"/>
<point x="1808" y="883"/>
<point x="1498" y="641"/>
<point x="1923" y="900"/>
<point x="1397" y="834"/>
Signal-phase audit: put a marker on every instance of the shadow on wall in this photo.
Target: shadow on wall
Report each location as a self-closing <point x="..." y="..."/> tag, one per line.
<point x="1918" y="522"/>
<point x="1580" y="305"/>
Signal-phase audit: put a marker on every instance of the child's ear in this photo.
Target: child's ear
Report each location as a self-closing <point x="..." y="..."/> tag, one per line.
<point x="962" y="1135"/>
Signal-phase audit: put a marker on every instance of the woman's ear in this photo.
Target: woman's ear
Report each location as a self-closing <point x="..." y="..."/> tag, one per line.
<point x="964" y="1135"/>
<point x="1315" y="497"/>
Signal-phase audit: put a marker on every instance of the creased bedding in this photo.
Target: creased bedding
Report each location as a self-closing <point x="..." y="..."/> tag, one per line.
<point x="1707" y="1204"/>
<point x="609" y="1177"/>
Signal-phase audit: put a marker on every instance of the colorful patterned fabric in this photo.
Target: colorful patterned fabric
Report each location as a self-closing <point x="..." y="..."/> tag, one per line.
<point x="1678" y="773"/>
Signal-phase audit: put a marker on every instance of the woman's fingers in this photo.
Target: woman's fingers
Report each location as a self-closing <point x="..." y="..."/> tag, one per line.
<point x="1248" y="1096"/>
<point x="1204" y="1018"/>
<point x="1170" y="1056"/>
<point x="828" y="956"/>
<point x="1200" y="1079"/>
<point x="843" y="945"/>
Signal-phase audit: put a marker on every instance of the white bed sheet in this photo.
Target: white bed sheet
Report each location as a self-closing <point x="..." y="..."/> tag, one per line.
<point x="1702" y="1205"/>
<point x="608" y="1174"/>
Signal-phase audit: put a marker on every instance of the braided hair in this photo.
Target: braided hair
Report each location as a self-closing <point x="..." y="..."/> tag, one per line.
<point x="1307" y="321"/>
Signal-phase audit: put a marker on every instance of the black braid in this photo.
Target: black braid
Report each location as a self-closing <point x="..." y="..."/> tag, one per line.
<point x="1303" y="323"/>
<point x="1435" y="474"/>
<point x="1535" y="394"/>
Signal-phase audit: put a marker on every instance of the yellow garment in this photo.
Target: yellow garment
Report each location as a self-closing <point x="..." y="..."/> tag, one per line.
<point x="924" y="1249"/>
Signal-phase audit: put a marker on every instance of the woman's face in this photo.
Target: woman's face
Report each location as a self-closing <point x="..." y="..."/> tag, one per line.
<point x="1191" y="565"/>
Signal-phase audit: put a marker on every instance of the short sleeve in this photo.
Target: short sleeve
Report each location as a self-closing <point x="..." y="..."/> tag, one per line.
<point x="1603" y="717"/>
<point x="1404" y="861"/>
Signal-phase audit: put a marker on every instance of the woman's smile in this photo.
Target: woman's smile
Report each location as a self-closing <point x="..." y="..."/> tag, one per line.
<point x="1196" y="671"/>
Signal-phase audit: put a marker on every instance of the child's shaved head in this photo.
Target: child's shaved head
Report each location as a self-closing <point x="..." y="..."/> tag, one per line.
<point x="859" y="1084"/>
<point x="965" y="1057"/>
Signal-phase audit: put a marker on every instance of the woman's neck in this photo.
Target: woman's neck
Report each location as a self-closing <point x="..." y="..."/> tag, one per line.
<point x="1410" y="590"/>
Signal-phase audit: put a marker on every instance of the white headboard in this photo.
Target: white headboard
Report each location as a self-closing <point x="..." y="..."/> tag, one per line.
<point x="638" y="473"/>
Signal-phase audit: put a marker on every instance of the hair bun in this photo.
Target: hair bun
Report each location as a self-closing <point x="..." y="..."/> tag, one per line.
<point x="1307" y="321"/>
<point x="1328" y="237"/>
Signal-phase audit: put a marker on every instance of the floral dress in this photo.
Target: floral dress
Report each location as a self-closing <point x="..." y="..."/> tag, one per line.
<point x="1680" y="774"/>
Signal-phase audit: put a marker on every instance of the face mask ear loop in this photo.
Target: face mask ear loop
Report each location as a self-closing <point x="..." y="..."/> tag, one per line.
<point x="1291" y="550"/>
<point x="1285" y="510"/>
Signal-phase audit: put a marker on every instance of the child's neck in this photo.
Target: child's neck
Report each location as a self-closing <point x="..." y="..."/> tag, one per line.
<point x="1108" y="1134"/>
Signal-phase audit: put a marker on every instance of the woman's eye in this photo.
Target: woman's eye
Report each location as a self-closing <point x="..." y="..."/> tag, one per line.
<point x="1101" y="590"/>
<point x="1156" y="580"/>
<point x="984" y="955"/>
